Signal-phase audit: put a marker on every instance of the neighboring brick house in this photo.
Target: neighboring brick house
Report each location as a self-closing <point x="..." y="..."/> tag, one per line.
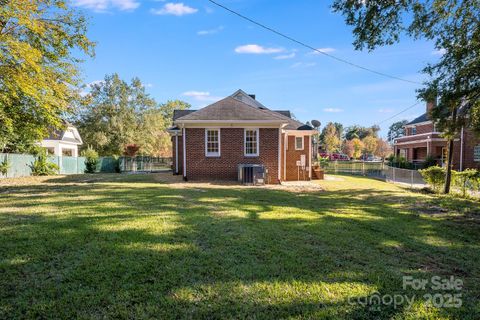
<point x="422" y="139"/>
<point x="211" y="142"/>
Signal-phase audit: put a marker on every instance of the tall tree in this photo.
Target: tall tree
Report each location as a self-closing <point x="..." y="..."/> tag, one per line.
<point x="384" y="149"/>
<point x="330" y="139"/>
<point x="171" y="105"/>
<point x="357" y="147"/>
<point x="360" y="132"/>
<point x="396" y="130"/>
<point x="111" y="114"/>
<point x="38" y="70"/>
<point x="116" y="113"/>
<point x="348" y="148"/>
<point x="339" y="128"/>
<point x="454" y="27"/>
<point x="369" y="144"/>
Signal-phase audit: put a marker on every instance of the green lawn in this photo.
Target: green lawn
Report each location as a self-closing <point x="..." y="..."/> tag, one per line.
<point x="131" y="246"/>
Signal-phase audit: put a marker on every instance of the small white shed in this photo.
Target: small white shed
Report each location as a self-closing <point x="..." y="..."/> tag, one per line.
<point x="63" y="142"/>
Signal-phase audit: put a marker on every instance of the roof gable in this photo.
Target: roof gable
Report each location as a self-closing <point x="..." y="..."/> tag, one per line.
<point x="69" y="134"/>
<point x="229" y="109"/>
<point x="180" y="113"/>
<point x="239" y="107"/>
<point x="242" y="96"/>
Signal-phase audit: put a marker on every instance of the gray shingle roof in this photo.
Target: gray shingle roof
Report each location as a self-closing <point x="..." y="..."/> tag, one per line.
<point x="285" y="113"/>
<point x="229" y="109"/>
<point x="180" y="113"/>
<point x="419" y="119"/>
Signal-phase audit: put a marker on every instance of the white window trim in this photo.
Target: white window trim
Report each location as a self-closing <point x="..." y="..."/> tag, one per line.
<point x="296" y="143"/>
<point x="245" y="142"/>
<point x="212" y="154"/>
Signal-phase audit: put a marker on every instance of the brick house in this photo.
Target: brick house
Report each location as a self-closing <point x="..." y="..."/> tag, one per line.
<point x="210" y="143"/>
<point x="422" y="139"/>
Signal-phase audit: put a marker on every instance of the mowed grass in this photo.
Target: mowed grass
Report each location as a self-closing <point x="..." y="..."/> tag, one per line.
<point x="132" y="246"/>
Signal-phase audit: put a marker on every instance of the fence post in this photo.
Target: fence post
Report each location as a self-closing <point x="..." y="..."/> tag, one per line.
<point x="394" y="174"/>
<point x="7" y="161"/>
<point x="411" y="179"/>
<point x="363" y="167"/>
<point x="336" y="166"/>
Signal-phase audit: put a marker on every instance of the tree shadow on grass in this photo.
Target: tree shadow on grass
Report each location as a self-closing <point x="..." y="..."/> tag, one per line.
<point x="159" y="251"/>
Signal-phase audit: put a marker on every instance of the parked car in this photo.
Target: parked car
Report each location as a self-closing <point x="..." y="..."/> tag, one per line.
<point x="371" y="158"/>
<point x="334" y="156"/>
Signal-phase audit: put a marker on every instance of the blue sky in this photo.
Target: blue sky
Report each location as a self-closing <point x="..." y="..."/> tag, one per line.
<point x="197" y="52"/>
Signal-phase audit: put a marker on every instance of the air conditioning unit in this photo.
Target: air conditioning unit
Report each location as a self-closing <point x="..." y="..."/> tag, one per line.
<point x="251" y="174"/>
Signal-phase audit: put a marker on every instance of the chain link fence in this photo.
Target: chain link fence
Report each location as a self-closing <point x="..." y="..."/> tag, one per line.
<point x="144" y="164"/>
<point x="377" y="170"/>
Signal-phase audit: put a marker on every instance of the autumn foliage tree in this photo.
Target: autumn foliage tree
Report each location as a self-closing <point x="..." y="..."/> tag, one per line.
<point x="116" y="113"/>
<point x="38" y="68"/>
<point x="369" y="144"/>
<point x="454" y="28"/>
<point x="358" y="147"/>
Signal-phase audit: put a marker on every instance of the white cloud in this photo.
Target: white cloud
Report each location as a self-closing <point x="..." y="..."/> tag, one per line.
<point x="303" y="65"/>
<point x="285" y="56"/>
<point x="201" y="95"/>
<point x="385" y="110"/>
<point x="256" y="49"/>
<point x="332" y="110"/>
<point x="176" y="9"/>
<point x="439" y="52"/>
<point x="210" y="31"/>
<point x="103" y="5"/>
<point x="324" y="50"/>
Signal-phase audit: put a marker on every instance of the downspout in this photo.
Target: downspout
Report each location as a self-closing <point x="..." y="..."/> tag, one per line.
<point x="279" y="154"/>
<point x="176" y="152"/>
<point x="184" y="155"/>
<point x="285" y="142"/>
<point x="310" y="158"/>
<point x="461" y="150"/>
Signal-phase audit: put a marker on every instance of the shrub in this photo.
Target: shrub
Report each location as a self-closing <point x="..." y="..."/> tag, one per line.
<point x="430" y="161"/>
<point x="399" y="162"/>
<point x="42" y="167"/>
<point x="434" y="176"/>
<point x="91" y="160"/>
<point x="323" y="162"/>
<point x="4" y="167"/>
<point x="466" y="180"/>
<point x="131" y="150"/>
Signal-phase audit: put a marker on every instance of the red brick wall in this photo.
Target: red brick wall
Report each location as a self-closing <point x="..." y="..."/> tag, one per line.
<point x="293" y="155"/>
<point x="225" y="167"/>
<point x="424" y="128"/>
<point x="470" y="141"/>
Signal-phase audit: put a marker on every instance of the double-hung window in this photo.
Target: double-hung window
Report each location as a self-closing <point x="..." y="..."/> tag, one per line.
<point x="251" y="142"/>
<point x="298" y="143"/>
<point x="212" y="142"/>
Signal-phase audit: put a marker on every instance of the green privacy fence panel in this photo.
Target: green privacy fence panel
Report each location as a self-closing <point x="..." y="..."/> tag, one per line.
<point x="20" y="164"/>
<point x="71" y="165"/>
<point x="107" y="164"/>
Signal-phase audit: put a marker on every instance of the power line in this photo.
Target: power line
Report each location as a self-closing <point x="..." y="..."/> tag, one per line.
<point x="406" y="109"/>
<point x="309" y="46"/>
